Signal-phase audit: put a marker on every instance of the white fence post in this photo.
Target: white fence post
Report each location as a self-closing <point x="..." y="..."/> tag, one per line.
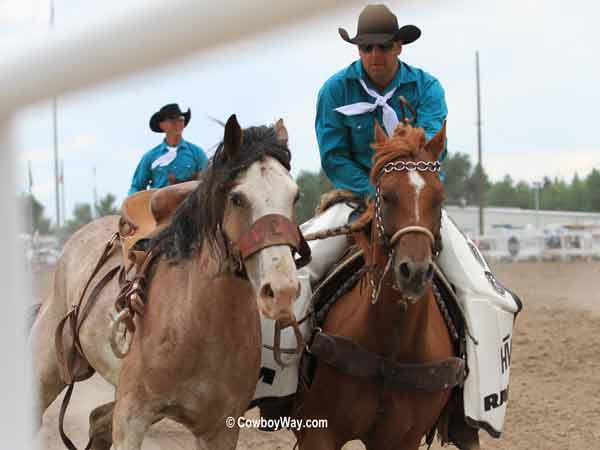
<point x="14" y="415"/>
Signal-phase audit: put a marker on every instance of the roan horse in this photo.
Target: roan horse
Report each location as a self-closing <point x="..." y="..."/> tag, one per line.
<point x="195" y="354"/>
<point x="380" y="342"/>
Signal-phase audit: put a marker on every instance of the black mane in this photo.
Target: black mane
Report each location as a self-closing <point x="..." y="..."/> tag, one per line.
<point x="198" y="220"/>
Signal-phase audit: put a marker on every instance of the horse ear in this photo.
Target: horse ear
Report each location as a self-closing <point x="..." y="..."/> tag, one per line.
<point x="380" y="135"/>
<point x="437" y="143"/>
<point x="281" y="131"/>
<point x="232" y="140"/>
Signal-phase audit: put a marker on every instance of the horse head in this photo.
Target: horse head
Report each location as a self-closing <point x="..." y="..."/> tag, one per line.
<point x="258" y="217"/>
<point x="408" y="204"/>
<point x="242" y="214"/>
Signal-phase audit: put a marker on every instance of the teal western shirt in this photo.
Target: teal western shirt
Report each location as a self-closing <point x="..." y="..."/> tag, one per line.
<point x="189" y="160"/>
<point x="344" y="141"/>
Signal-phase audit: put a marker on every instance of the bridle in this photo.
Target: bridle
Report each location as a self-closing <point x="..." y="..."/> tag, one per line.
<point x="268" y="231"/>
<point x="388" y="243"/>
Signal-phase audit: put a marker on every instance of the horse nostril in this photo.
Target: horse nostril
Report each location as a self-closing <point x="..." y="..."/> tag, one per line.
<point x="405" y="270"/>
<point x="267" y="291"/>
<point x="299" y="290"/>
<point x="429" y="273"/>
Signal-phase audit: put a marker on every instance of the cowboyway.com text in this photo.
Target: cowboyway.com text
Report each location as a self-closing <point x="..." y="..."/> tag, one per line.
<point x="280" y="422"/>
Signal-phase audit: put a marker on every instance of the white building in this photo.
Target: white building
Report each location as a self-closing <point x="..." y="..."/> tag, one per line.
<point x="467" y="218"/>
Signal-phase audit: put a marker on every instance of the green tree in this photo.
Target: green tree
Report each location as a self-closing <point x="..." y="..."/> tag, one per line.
<point x="502" y="193"/>
<point x="473" y="186"/>
<point x="82" y="214"/>
<point x="34" y="215"/>
<point x="578" y="196"/>
<point x="457" y="168"/>
<point x="523" y="195"/>
<point x="311" y="186"/>
<point x="106" y="206"/>
<point x="592" y="183"/>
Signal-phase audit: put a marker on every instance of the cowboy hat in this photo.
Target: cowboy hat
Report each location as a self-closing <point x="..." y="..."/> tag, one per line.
<point x="166" y="112"/>
<point x="377" y="25"/>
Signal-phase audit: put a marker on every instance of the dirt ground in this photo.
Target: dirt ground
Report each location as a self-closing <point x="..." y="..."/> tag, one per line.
<point x="555" y="376"/>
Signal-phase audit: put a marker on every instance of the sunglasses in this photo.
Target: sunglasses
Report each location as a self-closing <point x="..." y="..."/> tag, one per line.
<point x="175" y="119"/>
<point x="385" y="47"/>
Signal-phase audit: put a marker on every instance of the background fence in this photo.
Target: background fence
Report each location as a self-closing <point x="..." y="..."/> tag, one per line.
<point x="520" y="245"/>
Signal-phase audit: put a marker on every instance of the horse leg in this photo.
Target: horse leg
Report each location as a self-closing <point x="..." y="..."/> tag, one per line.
<point x="47" y="380"/>
<point x="132" y="416"/>
<point x="101" y="426"/>
<point x="221" y="439"/>
<point x="319" y="439"/>
<point x="465" y="438"/>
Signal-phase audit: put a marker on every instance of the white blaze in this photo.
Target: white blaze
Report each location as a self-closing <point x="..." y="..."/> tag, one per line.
<point x="416" y="181"/>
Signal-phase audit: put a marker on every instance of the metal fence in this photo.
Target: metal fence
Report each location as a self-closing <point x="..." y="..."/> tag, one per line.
<point x="62" y="63"/>
<point x="520" y="245"/>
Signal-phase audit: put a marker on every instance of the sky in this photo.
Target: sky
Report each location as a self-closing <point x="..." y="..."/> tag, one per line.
<point x="538" y="65"/>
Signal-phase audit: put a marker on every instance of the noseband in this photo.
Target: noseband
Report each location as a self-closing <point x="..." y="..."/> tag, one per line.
<point x="388" y="243"/>
<point x="268" y="231"/>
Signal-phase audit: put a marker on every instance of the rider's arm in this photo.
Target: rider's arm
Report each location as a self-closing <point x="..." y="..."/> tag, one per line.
<point x="141" y="176"/>
<point x="334" y="144"/>
<point x="432" y="110"/>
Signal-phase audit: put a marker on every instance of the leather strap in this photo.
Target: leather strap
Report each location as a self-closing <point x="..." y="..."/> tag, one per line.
<point x="352" y="359"/>
<point x="268" y="231"/>
<point x="70" y="370"/>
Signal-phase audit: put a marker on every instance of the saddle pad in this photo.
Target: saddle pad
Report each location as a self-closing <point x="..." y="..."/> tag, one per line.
<point x="274" y="380"/>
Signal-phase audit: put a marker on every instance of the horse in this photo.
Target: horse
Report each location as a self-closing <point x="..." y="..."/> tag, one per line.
<point x="195" y="353"/>
<point x="380" y="340"/>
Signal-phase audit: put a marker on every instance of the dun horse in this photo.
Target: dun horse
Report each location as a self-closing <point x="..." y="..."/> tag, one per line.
<point x="195" y="354"/>
<point x="381" y="341"/>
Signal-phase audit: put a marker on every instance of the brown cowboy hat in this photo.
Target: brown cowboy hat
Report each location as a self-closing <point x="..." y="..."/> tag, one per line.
<point x="167" y="112"/>
<point x="378" y="25"/>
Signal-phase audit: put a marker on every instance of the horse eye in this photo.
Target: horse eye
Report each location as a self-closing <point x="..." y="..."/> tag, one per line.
<point x="237" y="199"/>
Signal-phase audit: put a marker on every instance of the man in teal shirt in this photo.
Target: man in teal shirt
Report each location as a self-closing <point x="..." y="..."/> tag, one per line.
<point x="174" y="160"/>
<point x="347" y="107"/>
<point x="369" y="89"/>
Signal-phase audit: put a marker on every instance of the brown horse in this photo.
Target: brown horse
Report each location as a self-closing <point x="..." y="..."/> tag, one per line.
<point x="195" y="354"/>
<point x="374" y="383"/>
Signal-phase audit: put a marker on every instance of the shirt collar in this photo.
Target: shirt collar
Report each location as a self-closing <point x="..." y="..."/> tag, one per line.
<point x="404" y="75"/>
<point x="164" y="144"/>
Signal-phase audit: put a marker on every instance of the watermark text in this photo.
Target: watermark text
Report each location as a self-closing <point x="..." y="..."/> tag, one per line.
<point x="280" y="422"/>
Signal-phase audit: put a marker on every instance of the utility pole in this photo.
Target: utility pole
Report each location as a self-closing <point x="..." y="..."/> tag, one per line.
<point x="479" y="162"/>
<point x="55" y="127"/>
<point x="62" y="191"/>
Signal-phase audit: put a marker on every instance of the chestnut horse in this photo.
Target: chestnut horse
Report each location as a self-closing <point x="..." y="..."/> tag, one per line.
<point x="195" y="354"/>
<point x="388" y="327"/>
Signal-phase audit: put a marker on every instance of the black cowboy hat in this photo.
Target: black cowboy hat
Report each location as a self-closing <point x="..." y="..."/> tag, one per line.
<point x="377" y="25"/>
<point x="167" y="112"/>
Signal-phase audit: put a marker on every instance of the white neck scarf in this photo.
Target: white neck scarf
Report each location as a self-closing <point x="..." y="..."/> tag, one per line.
<point x="390" y="118"/>
<point x="165" y="159"/>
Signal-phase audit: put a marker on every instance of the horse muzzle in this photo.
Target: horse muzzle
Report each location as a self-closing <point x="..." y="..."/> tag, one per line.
<point x="412" y="278"/>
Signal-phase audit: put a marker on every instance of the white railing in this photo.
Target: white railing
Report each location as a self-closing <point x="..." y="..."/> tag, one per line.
<point x="159" y="33"/>
<point x="520" y="245"/>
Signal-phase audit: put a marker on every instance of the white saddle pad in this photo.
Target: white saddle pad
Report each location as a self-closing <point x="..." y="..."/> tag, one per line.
<point x="489" y="311"/>
<point x="277" y="381"/>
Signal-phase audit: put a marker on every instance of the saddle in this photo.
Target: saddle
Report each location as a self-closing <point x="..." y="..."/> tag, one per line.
<point x="145" y="213"/>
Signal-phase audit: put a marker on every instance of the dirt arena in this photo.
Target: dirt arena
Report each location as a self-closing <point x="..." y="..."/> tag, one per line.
<point x="555" y="378"/>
